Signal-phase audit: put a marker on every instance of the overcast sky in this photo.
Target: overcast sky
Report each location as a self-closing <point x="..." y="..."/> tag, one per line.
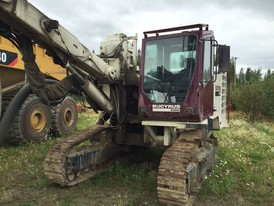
<point x="246" y="25"/>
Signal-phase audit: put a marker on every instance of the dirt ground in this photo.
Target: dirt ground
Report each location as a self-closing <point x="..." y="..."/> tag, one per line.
<point x="99" y="196"/>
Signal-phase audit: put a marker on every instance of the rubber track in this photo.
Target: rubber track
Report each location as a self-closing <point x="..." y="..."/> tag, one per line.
<point x="172" y="184"/>
<point x="55" y="162"/>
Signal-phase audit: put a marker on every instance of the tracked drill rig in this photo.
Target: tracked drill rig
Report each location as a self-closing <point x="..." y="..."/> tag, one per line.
<point x="175" y="101"/>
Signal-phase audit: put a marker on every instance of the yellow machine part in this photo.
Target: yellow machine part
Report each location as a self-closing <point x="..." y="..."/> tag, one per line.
<point x="14" y="73"/>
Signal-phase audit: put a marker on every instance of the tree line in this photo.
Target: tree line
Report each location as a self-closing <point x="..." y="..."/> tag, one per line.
<point x="252" y="92"/>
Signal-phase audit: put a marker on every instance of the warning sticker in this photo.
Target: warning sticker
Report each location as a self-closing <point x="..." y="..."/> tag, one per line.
<point x="8" y="58"/>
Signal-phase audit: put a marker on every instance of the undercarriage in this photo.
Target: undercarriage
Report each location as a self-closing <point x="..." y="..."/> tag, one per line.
<point x="77" y="159"/>
<point x="182" y="168"/>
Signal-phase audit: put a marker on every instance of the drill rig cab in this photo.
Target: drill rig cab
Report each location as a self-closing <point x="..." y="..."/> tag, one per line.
<point x="181" y="82"/>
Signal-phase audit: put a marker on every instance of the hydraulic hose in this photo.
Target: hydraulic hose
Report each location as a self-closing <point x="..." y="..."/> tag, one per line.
<point x="73" y="89"/>
<point x="12" y="110"/>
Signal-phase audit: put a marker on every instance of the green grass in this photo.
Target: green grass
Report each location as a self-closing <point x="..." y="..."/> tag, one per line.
<point x="243" y="176"/>
<point x="246" y="163"/>
<point x="22" y="180"/>
<point x="86" y="119"/>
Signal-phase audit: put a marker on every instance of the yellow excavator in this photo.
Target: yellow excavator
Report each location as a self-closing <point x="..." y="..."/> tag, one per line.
<point x="34" y="120"/>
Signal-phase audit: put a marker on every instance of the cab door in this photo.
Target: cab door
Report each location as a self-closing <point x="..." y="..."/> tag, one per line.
<point x="207" y="77"/>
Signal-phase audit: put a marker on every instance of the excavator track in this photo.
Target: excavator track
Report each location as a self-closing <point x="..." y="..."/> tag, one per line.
<point x="182" y="169"/>
<point x="68" y="164"/>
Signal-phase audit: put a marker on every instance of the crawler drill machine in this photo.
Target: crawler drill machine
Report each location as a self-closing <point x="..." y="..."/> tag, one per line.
<point x="175" y="101"/>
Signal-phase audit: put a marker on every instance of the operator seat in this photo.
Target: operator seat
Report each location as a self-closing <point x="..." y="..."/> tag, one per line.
<point x="190" y="65"/>
<point x="186" y="73"/>
<point x="183" y="79"/>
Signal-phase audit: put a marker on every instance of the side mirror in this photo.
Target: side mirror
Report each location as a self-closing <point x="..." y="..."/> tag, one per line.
<point x="224" y="58"/>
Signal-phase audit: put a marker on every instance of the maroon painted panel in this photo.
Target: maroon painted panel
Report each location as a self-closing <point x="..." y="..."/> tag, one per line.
<point x="197" y="104"/>
<point x="207" y="100"/>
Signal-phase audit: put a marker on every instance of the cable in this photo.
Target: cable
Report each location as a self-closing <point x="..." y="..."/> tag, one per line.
<point x="114" y="51"/>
